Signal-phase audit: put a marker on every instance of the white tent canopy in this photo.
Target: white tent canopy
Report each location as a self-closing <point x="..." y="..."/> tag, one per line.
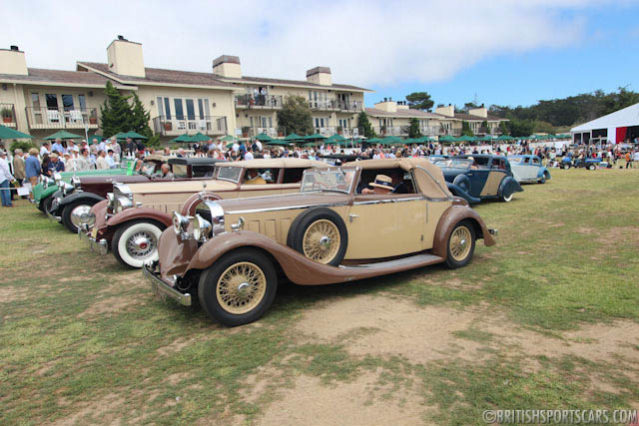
<point x="627" y="117"/>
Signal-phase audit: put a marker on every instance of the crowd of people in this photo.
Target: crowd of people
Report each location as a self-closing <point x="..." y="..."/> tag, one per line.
<point x="106" y="154"/>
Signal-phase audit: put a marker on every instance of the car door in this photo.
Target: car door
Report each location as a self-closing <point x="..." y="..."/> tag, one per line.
<point x="495" y="175"/>
<point x="437" y="200"/>
<point x="385" y="225"/>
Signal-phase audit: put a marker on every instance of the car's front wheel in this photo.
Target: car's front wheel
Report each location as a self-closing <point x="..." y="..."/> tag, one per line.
<point x="45" y="204"/>
<point x="136" y="243"/>
<point x="320" y="235"/>
<point x="239" y="287"/>
<point x="592" y="167"/>
<point x="461" y="245"/>
<point x="75" y="213"/>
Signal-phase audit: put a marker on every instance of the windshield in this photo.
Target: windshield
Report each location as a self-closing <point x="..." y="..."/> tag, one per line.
<point x="231" y="174"/>
<point x="148" y="167"/>
<point x="455" y="163"/>
<point x="335" y="180"/>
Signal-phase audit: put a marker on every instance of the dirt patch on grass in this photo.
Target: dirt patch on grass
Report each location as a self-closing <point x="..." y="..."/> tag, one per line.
<point x="620" y="234"/>
<point x="109" y="305"/>
<point x="100" y="411"/>
<point x="310" y="402"/>
<point x="175" y="378"/>
<point x="176" y="346"/>
<point x="397" y="327"/>
<point x="12" y="294"/>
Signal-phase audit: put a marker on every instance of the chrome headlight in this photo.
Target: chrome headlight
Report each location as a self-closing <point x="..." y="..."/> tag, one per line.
<point x="57" y="178"/>
<point x="217" y="216"/>
<point x="201" y="228"/>
<point x="110" y="201"/>
<point x="180" y="225"/>
<point x="75" y="181"/>
<point x="67" y="188"/>
<point x="46" y="181"/>
<point x="122" y="203"/>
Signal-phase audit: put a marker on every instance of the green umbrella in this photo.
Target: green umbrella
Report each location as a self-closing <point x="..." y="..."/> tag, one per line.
<point x="447" y="138"/>
<point x="227" y="138"/>
<point x="9" y="133"/>
<point x="293" y="137"/>
<point x="314" y="136"/>
<point x="120" y="136"/>
<point x="392" y="140"/>
<point x="373" y="140"/>
<point x="199" y="137"/>
<point x="182" y="138"/>
<point x="505" y="138"/>
<point x="62" y="134"/>
<point x="263" y="137"/>
<point x="134" y="135"/>
<point x="94" y="138"/>
<point x="335" y="139"/>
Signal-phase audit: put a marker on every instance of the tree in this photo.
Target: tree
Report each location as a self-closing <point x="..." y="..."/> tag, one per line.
<point x="420" y="100"/>
<point x="413" y="130"/>
<point x="139" y="122"/>
<point x="295" y="116"/>
<point x="503" y="128"/>
<point x="364" y="126"/>
<point x="116" y="111"/>
<point x="466" y="131"/>
<point x="520" y="128"/>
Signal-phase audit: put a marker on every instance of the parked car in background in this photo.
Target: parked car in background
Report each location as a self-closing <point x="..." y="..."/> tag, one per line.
<point x="71" y="204"/>
<point x="528" y="168"/>
<point x="479" y="177"/>
<point x="131" y="220"/>
<point x="232" y="253"/>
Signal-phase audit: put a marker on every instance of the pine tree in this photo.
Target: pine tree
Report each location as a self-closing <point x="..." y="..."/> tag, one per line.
<point x="413" y="130"/>
<point x="295" y="116"/>
<point x="115" y="113"/>
<point x="364" y="126"/>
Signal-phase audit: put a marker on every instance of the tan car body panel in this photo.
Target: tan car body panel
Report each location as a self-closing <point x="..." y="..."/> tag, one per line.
<point x="491" y="187"/>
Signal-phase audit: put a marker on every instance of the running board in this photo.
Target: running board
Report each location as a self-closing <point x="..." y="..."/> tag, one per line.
<point x="415" y="261"/>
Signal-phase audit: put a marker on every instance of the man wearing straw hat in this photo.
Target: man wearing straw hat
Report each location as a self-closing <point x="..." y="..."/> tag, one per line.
<point x="382" y="185"/>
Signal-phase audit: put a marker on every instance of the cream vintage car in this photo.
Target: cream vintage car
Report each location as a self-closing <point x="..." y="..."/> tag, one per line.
<point x="132" y="218"/>
<point x="230" y="252"/>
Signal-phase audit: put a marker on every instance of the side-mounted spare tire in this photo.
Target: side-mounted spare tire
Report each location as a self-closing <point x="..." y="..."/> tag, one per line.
<point x="462" y="182"/>
<point x="320" y="235"/>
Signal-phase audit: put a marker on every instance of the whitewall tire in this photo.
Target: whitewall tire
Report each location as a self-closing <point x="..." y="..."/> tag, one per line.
<point x="136" y="243"/>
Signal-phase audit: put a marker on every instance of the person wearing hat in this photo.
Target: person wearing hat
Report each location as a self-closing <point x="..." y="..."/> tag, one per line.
<point x="382" y="185"/>
<point x="5" y="179"/>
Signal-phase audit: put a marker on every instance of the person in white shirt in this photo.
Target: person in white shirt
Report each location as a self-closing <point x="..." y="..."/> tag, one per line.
<point x="248" y="155"/>
<point x="635" y="157"/>
<point x="5" y="179"/>
<point x="45" y="149"/>
<point x="72" y="147"/>
<point x="101" y="162"/>
<point x="235" y="147"/>
<point x="111" y="159"/>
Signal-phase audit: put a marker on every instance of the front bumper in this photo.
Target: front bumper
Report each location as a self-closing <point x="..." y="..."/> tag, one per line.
<point x="164" y="289"/>
<point x="89" y="236"/>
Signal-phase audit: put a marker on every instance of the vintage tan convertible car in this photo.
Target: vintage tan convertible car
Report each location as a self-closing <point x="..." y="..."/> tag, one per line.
<point x="231" y="252"/>
<point x="132" y="218"/>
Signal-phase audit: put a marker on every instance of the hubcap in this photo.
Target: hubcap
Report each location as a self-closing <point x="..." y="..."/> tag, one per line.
<point x="460" y="243"/>
<point x="241" y="287"/>
<point x="80" y="215"/>
<point x="321" y="241"/>
<point x="141" y="244"/>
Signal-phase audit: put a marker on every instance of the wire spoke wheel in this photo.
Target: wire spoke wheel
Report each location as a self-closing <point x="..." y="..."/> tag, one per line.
<point x="241" y="287"/>
<point x="141" y="244"/>
<point x="460" y="243"/>
<point x="321" y="241"/>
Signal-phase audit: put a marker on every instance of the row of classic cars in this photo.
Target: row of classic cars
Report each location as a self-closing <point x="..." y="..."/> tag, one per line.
<point x="223" y="235"/>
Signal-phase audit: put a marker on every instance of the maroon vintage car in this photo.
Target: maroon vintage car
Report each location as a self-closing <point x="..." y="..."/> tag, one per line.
<point x="72" y="202"/>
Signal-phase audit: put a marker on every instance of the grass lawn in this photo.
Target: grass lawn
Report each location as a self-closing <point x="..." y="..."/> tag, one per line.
<point x="546" y="319"/>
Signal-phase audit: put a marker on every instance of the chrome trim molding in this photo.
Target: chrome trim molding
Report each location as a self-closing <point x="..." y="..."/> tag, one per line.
<point x="276" y="209"/>
<point x="389" y="200"/>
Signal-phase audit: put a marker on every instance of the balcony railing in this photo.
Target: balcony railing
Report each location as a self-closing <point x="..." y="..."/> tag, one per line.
<point x="8" y="113"/>
<point x="350" y="105"/>
<point x="335" y="105"/>
<point x="209" y="125"/>
<point x="258" y="101"/>
<point x="59" y="118"/>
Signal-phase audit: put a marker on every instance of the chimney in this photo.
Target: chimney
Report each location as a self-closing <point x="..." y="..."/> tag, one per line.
<point x="387" y="105"/>
<point x="227" y="66"/>
<point x="448" y="111"/>
<point x="479" y="112"/>
<point x="125" y="58"/>
<point x="319" y="75"/>
<point x="13" y="61"/>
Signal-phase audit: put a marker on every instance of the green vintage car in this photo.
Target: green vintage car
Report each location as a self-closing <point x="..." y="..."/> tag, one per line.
<point x="46" y="187"/>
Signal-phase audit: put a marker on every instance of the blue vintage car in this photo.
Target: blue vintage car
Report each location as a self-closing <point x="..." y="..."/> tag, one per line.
<point x="480" y="177"/>
<point x="528" y="168"/>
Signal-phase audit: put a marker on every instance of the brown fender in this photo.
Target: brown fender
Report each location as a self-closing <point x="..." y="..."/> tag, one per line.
<point x="137" y="213"/>
<point x="191" y="203"/>
<point x="451" y="217"/>
<point x="295" y="265"/>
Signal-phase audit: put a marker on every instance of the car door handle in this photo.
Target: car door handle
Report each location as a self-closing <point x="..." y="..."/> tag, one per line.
<point x="352" y="217"/>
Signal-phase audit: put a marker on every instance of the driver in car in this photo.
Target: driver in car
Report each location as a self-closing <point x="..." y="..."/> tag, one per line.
<point x="166" y="172"/>
<point x="382" y="185"/>
<point x="253" y="178"/>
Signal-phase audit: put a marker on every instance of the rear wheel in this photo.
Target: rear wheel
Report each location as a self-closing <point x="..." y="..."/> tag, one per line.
<point x="591" y="167"/>
<point x="461" y="245"/>
<point x="320" y="235"/>
<point x="75" y="214"/>
<point x="239" y="287"/>
<point x="136" y="243"/>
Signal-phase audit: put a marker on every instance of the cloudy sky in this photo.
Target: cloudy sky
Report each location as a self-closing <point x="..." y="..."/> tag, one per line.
<point x="498" y="52"/>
